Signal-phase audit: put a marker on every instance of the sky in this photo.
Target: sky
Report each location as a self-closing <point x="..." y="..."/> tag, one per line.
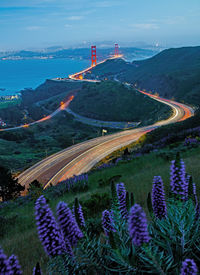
<point x="29" y="24"/>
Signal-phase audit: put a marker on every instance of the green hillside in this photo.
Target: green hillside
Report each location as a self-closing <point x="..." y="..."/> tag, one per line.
<point x="172" y="73"/>
<point x="111" y="101"/>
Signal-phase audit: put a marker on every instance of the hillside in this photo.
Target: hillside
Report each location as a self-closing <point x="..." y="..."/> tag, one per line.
<point x="172" y="73"/>
<point x="53" y="91"/>
<point x="111" y="101"/>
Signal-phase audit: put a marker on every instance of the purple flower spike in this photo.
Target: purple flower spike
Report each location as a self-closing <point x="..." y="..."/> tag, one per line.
<point x="195" y="194"/>
<point x="121" y="194"/>
<point x="68" y="224"/>
<point x="37" y="270"/>
<point x="158" y="198"/>
<point x="5" y="268"/>
<point x="78" y="214"/>
<point x="189" y="267"/>
<point x="137" y="225"/>
<point x="197" y="211"/>
<point x="107" y="222"/>
<point x="14" y="264"/>
<point x="178" y="180"/>
<point x="48" y="230"/>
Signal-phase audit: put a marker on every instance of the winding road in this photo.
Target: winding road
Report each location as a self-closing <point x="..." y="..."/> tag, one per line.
<point x="80" y="158"/>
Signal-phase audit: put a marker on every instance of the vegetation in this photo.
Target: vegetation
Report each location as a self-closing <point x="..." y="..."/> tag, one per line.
<point x="18" y="228"/>
<point x="9" y="103"/>
<point x="47" y="90"/>
<point x="22" y="148"/>
<point x="156" y="246"/>
<point x="104" y="100"/>
<point x="9" y="187"/>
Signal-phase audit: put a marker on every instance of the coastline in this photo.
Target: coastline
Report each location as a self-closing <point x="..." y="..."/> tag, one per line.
<point x="18" y="75"/>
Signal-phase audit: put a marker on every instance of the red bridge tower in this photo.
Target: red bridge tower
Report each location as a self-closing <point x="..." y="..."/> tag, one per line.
<point x="94" y="55"/>
<point x="116" y="49"/>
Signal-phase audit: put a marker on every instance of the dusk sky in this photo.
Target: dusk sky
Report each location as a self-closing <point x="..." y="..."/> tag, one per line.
<point x="44" y="23"/>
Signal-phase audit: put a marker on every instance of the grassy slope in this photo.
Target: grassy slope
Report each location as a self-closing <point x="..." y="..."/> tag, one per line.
<point x="179" y="68"/>
<point x="22" y="148"/>
<point x="111" y="101"/>
<point x="6" y="104"/>
<point x="137" y="176"/>
<point x="13" y="114"/>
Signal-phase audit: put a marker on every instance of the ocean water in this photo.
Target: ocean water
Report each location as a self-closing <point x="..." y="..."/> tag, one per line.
<point x="15" y="75"/>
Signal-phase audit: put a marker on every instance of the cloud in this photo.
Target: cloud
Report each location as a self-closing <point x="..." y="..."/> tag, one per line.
<point x="33" y="28"/>
<point x="67" y="26"/>
<point x="145" y="26"/>
<point x="169" y="20"/>
<point x="75" y="18"/>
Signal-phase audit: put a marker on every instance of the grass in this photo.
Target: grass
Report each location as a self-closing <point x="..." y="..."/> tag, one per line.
<point x="112" y="101"/>
<point x="9" y="103"/>
<point x="22" y="148"/>
<point x="20" y="235"/>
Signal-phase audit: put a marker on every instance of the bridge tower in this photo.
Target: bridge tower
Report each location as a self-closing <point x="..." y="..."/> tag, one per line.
<point x="94" y="55"/>
<point x="116" y="49"/>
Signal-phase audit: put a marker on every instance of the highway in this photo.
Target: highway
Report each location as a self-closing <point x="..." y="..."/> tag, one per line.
<point x="80" y="158"/>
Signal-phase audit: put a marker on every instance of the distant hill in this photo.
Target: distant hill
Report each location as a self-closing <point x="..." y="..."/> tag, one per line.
<point x="79" y="53"/>
<point x="171" y="73"/>
<point x="111" y="101"/>
<point x="46" y="90"/>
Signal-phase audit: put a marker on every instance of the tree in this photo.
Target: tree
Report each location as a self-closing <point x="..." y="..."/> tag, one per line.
<point x="35" y="189"/>
<point x="9" y="187"/>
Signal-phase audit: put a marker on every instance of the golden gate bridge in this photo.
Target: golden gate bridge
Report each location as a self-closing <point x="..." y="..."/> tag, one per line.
<point x="80" y="75"/>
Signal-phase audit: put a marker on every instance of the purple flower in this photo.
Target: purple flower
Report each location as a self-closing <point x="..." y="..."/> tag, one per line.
<point x="107" y="222"/>
<point x="137" y="225"/>
<point x="48" y="230"/>
<point x="189" y="267"/>
<point x="158" y="198"/>
<point x="14" y="264"/>
<point x="197" y="211"/>
<point x="190" y="141"/>
<point x="5" y="268"/>
<point x="68" y="224"/>
<point x="195" y="193"/>
<point x="121" y="194"/>
<point x="178" y="180"/>
<point x="78" y="213"/>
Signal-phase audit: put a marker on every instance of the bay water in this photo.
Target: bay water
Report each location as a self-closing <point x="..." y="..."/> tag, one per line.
<point x="15" y="75"/>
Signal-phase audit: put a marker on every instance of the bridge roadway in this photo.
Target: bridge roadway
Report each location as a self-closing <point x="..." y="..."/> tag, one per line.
<point x="80" y="158"/>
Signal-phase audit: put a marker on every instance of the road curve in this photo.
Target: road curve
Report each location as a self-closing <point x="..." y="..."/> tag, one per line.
<point x="81" y="157"/>
<point x="63" y="106"/>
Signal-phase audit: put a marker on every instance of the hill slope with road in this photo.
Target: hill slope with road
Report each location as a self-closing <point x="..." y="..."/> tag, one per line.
<point x="112" y="101"/>
<point x="172" y="73"/>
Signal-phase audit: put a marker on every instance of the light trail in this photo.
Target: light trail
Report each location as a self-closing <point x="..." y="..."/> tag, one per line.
<point x="63" y="106"/>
